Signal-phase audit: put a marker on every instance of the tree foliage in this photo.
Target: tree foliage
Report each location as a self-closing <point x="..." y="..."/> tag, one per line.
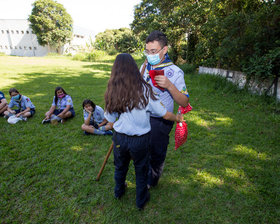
<point x="51" y="23"/>
<point x="120" y="40"/>
<point x="218" y="33"/>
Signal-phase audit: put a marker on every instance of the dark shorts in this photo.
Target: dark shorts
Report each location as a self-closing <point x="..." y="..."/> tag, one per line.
<point x="56" y="112"/>
<point x="32" y="112"/>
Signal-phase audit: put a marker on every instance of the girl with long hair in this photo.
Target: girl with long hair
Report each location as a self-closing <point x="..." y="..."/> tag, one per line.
<point x="61" y="109"/>
<point x="129" y="101"/>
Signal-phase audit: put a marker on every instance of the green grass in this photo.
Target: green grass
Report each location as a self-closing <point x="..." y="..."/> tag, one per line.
<point x="227" y="171"/>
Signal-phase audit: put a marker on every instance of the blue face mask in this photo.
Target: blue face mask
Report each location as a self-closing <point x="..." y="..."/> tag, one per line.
<point x="153" y="59"/>
<point x="17" y="97"/>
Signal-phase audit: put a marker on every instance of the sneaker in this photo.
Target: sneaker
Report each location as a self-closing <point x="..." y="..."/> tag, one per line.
<point x="109" y="132"/>
<point x="46" y="121"/>
<point x="24" y="118"/>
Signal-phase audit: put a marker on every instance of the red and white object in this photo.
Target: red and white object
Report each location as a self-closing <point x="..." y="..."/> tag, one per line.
<point x="181" y="131"/>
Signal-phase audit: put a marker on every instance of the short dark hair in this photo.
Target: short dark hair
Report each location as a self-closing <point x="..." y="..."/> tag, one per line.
<point x="157" y="36"/>
<point x="13" y="90"/>
<point x="87" y="101"/>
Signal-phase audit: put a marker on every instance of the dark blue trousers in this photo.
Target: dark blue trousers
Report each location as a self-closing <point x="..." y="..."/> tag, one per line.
<point x="160" y="130"/>
<point x="135" y="148"/>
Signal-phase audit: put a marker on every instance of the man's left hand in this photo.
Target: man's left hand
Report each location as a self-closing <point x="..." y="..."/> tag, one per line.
<point x="163" y="81"/>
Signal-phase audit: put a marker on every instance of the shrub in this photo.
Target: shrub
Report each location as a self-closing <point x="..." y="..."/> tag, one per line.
<point x="188" y="68"/>
<point x="79" y="57"/>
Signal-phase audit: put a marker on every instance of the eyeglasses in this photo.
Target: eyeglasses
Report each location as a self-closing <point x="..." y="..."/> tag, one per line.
<point x="146" y="52"/>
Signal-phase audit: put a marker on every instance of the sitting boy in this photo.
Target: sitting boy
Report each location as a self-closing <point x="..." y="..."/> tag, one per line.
<point x="25" y="107"/>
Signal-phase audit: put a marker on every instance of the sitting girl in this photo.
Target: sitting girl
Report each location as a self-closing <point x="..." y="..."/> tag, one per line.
<point x="94" y="121"/>
<point x="61" y="109"/>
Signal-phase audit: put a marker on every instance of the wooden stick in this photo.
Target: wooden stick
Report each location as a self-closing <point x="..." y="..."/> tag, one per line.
<point x="105" y="161"/>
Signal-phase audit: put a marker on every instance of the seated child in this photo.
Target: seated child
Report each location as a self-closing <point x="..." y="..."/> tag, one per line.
<point x="25" y="107"/>
<point x="94" y="121"/>
<point x="3" y="104"/>
<point x="61" y="109"/>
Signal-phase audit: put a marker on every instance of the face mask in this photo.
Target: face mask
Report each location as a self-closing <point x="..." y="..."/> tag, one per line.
<point x="17" y="97"/>
<point x="61" y="95"/>
<point x="153" y="59"/>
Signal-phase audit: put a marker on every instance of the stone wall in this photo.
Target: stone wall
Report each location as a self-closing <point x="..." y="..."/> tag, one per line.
<point x="239" y="79"/>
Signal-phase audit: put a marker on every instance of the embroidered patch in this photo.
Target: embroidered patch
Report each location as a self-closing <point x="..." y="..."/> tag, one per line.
<point x="169" y="73"/>
<point x="185" y="91"/>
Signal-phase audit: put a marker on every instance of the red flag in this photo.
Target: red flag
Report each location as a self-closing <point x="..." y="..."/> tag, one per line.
<point x="181" y="131"/>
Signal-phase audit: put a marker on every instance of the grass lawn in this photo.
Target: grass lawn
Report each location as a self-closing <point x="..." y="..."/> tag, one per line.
<point x="227" y="172"/>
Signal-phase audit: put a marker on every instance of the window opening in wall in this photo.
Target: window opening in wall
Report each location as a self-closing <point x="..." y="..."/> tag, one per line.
<point x="6" y="47"/>
<point x="24" y="47"/>
<point x="7" y="31"/>
<point x="17" y="32"/>
<point x="20" y="47"/>
<point x="35" y="48"/>
<point x="12" y="31"/>
<point x="30" y="48"/>
<point x="27" y="32"/>
<point x="2" y="31"/>
<point x="15" y="47"/>
<point x="11" y="47"/>
<point x="0" y="46"/>
<point x="22" y="32"/>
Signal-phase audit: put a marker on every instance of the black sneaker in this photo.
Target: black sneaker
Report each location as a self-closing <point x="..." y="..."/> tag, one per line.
<point x="45" y="121"/>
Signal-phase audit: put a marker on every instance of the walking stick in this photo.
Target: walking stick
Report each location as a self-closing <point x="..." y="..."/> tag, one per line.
<point x="105" y="161"/>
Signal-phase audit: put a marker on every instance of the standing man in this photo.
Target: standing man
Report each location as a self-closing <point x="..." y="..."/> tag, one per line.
<point x="174" y="87"/>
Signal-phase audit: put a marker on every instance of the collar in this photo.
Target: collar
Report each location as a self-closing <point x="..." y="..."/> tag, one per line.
<point x="166" y="62"/>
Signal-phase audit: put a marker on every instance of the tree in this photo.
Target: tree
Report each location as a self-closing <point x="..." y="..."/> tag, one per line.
<point x="51" y="23"/>
<point x="120" y="40"/>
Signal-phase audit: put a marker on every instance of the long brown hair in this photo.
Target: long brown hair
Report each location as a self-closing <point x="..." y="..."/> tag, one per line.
<point x="126" y="88"/>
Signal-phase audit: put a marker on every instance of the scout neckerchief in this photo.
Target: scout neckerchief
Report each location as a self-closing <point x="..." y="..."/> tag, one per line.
<point x="19" y="103"/>
<point x="166" y="62"/>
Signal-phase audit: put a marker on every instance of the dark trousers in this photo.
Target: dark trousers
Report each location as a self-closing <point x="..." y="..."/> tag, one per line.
<point x="160" y="130"/>
<point x="135" y="148"/>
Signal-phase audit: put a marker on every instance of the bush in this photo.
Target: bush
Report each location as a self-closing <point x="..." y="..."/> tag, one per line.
<point x="79" y="57"/>
<point x="188" y="68"/>
<point x="95" y="55"/>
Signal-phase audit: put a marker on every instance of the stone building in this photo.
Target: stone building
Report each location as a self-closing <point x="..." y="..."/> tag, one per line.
<point x="17" y="38"/>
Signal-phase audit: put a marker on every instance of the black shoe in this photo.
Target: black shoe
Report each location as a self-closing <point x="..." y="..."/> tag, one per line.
<point x="147" y="200"/>
<point x="46" y="121"/>
<point x="119" y="197"/>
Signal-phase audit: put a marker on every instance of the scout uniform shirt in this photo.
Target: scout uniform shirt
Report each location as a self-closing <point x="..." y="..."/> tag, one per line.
<point x="62" y="103"/>
<point x="175" y="76"/>
<point x="136" y="121"/>
<point x="2" y="96"/>
<point x="22" y="104"/>
<point x="97" y="116"/>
